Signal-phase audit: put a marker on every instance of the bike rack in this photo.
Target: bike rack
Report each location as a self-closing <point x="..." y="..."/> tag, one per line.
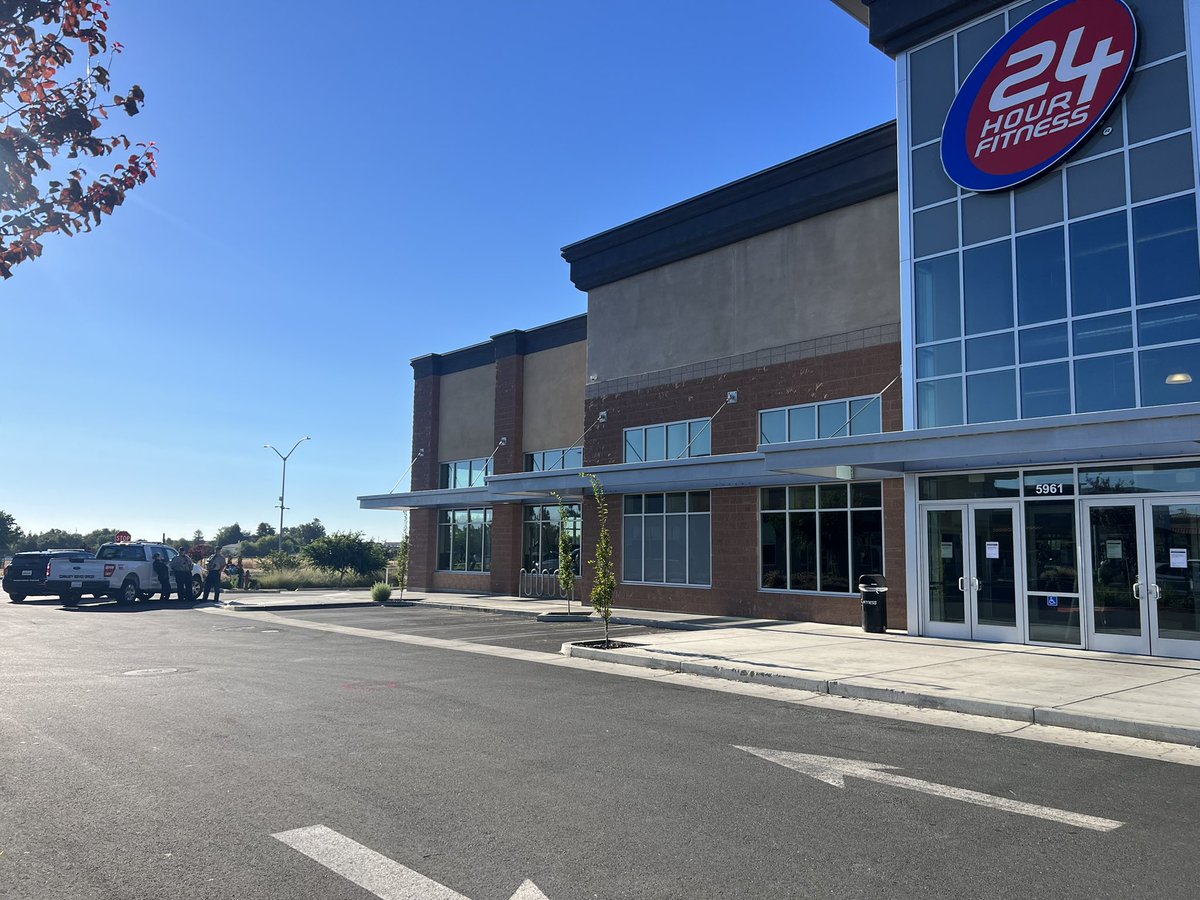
<point x="541" y="584"/>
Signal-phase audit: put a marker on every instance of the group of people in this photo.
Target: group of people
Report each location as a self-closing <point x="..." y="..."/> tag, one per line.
<point x="180" y="566"/>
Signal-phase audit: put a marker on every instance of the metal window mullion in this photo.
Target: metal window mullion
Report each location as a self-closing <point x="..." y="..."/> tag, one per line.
<point x="1068" y="247"/>
<point x="1137" y="368"/>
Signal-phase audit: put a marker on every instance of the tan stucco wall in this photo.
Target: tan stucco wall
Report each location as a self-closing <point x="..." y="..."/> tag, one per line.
<point x="827" y="275"/>
<point x="553" y="402"/>
<point x="467" y="414"/>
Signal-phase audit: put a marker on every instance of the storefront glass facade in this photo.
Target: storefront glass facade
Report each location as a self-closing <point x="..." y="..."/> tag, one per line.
<point x="1078" y="291"/>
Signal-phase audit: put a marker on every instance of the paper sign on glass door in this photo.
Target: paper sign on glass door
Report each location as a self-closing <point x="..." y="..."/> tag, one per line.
<point x="992" y="549"/>
<point x="1112" y="549"/>
<point x="1179" y="558"/>
<point x="947" y="550"/>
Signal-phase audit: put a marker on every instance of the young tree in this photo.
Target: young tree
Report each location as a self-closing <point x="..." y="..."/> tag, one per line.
<point x="55" y="95"/>
<point x="604" y="576"/>
<point x="345" y="551"/>
<point x="402" y="556"/>
<point x="566" y="560"/>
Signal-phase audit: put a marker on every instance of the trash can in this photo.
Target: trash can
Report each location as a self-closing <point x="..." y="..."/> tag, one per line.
<point x="872" y="591"/>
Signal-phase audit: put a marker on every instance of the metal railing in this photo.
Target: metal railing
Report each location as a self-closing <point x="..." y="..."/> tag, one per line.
<point x="541" y="584"/>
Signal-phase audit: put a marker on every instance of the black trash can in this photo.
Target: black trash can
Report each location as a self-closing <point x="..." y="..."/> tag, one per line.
<point x="872" y="590"/>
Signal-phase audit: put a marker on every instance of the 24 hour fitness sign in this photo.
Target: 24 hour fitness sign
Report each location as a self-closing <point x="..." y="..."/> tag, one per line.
<point x="1038" y="93"/>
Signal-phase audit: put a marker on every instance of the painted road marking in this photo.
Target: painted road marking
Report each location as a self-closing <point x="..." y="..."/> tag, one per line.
<point x="834" y="771"/>
<point x="383" y="877"/>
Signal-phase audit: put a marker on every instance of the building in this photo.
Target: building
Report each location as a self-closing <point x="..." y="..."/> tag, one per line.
<point x="970" y="367"/>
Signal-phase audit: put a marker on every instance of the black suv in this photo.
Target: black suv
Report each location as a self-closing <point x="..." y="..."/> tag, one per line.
<point x="26" y="575"/>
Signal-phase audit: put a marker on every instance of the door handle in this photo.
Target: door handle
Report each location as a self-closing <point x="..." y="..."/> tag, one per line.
<point x="962" y="588"/>
<point x="1157" y="595"/>
<point x="1137" y="590"/>
<point x="974" y="583"/>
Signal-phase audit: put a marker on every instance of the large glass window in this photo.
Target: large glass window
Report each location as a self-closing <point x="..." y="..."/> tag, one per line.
<point x="820" y="537"/>
<point x="464" y="540"/>
<point x="833" y="418"/>
<point x="463" y="473"/>
<point x="540" y="532"/>
<point x="667" y="538"/>
<point x="569" y="458"/>
<point x="1081" y="263"/>
<point x="673" y="440"/>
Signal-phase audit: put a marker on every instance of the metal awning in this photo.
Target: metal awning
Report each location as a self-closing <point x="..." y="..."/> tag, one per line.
<point x="1161" y="432"/>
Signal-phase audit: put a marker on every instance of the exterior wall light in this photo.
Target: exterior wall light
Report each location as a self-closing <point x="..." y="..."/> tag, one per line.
<point x="1179" y="378"/>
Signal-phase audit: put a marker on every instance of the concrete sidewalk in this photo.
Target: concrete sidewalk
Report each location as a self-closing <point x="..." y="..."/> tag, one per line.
<point x="1137" y="696"/>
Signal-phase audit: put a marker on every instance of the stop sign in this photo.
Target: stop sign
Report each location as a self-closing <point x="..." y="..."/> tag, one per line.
<point x="122" y="537"/>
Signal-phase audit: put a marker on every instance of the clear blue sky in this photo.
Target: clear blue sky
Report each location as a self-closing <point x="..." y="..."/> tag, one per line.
<point x="340" y="193"/>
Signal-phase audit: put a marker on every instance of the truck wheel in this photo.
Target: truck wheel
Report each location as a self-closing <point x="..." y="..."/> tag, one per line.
<point x="129" y="590"/>
<point x="197" y="586"/>
<point x="16" y="598"/>
<point x="70" y="599"/>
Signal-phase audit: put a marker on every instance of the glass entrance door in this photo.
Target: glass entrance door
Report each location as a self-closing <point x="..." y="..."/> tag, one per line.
<point x="1175" y="580"/>
<point x="1118" y="619"/>
<point x="972" y="572"/>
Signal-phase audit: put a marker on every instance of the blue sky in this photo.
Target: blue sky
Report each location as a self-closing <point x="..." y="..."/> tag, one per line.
<point x="337" y="195"/>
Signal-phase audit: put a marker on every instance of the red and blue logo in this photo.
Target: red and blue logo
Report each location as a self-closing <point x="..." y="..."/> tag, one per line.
<point x="1038" y="93"/>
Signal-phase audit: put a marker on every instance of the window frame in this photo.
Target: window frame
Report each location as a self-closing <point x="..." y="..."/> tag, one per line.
<point x="815" y="406"/>
<point x="688" y="515"/>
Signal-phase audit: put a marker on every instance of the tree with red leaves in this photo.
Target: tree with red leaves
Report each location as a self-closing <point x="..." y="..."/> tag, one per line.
<point x="54" y="96"/>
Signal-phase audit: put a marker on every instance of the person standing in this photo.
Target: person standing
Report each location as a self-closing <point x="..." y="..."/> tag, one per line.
<point x="181" y="568"/>
<point x="214" y="567"/>
<point x="164" y="575"/>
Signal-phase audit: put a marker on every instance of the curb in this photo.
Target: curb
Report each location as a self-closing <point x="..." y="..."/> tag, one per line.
<point x="266" y="607"/>
<point x="589" y="617"/>
<point x="995" y="709"/>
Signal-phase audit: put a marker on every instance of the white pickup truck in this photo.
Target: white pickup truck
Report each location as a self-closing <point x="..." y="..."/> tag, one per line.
<point x="123" y="571"/>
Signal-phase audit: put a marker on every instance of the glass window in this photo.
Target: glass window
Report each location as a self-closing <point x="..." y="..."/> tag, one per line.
<point x="929" y="181"/>
<point x="573" y="458"/>
<point x="802" y="549"/>
<point x="832" y="496"/>
<point x="635" y="445"/>
<point x="772" y="427"/>
<point x="773" y="498"/>
<point x="1167" y="324"/>
<point x="831" y="419"/>
<point x="1096" y="186"/>
<point x="1047" y="342"/>
<point x="1161" y="29"/>
<point x="1099" y="264"/>
<point x="986" y="217"/>
<point x="866" y="416"/>
<point x="990" y="352"/>
<point x="773" y="550"/>
<point x="1157" y="101"/>
<point x="992" y="397"/>
<point x="975" y="41"/>
<point x="1045" y="391"/>
<point x="1103" y="333"/>
<point x="1170" y="375"/>
<point x="1041" y="276"/>
<point x="656" y="443"/>
<point x="1108" y="135"/>
<point x="937" y="299"/>
<point x="677" y="439"/>
<point x="462" y="473"/>
<point x="1104" y="382"/>
<point x="1039" y="202"/>
<point x="939" y="403"/>
<point x="1166" y="258"/>
<point x="939" y="359"/>
<point x="1060" y="483"/>
<point x="1051" y="558"/>
<point x="1150" y="478"/>
<point x="1161" y="168"/>
<point x="935" y="230"/>
<point x="987" y="288"/>
<point x="700" y="434"/>
<point x="972" y="486"/>
<point x="802" y="423"/>
<point x="931" y="72"/>
<point x="464" y="540"/>
<point x="666" y="539"/>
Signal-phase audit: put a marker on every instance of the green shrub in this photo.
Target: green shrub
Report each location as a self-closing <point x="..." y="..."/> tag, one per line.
<point x="381" y="592"/>
<point x="307" y="577"/>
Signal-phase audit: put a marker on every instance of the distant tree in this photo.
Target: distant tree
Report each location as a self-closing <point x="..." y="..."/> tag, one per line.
<point x="197" y="536"/>
<point x="345" y="551"/>
<point x="264" y="529"/>
<point x="93" y="539"/>
<point x="306" y="533"/>
<point x="10" y="532"/>
<point x="56" y="538"/>
<point x="230" y="534"/>
<point x="53" y="102"/>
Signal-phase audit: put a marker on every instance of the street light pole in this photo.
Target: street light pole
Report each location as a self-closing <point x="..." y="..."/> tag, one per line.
<point x="283" y="483"/>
